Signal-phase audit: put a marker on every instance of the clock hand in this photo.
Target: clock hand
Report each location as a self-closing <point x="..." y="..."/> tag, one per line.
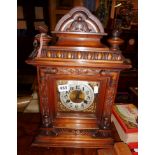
<point x="78" y="95"/>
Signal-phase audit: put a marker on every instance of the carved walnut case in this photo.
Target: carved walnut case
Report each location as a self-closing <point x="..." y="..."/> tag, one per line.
<point x="77" y="79"/>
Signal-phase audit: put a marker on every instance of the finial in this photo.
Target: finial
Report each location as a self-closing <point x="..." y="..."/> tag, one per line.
<point x="115" y="41"/>
<point x="43" y="36"/>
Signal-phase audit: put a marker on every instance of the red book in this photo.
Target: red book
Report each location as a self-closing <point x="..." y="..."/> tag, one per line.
<point x="125" y="119"/>
<point x="133" y="145"/>
<point x="134" y="148"/>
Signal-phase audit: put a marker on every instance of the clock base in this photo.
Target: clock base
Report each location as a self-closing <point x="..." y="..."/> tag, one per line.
<point x="73" y="138"/>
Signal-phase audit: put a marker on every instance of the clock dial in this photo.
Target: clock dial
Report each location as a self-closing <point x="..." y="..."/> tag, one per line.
<point x="76" y="95"/>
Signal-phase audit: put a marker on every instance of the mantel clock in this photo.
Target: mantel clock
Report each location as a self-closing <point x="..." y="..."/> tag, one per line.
<point x="77" y="78"/>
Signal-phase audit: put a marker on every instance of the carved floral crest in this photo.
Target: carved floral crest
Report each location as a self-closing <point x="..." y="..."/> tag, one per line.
<point x="79" y="19"/>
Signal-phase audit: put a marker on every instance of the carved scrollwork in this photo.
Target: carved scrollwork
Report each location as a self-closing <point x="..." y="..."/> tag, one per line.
<point x="78" y="71"/>
<point x="49" y="70"/>
<point x="87" y="132"/>
<point x="72" y="71"/>
<point x="94" y="133"/>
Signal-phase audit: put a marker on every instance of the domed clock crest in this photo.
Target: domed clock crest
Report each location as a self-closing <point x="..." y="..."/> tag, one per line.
<point x="77" y="78"/>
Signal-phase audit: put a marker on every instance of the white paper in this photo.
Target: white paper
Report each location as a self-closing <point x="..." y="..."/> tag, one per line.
<point x="62" y="88"/>
<point x="95" y="89"/>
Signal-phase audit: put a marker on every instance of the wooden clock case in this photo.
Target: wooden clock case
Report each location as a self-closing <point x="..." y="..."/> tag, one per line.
<point x="78" y="55"/>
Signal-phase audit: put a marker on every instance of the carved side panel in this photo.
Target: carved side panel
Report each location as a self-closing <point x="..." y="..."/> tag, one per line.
<point x="109" y="99"/>
<point x="44" y="102"/>
<point x="44" y="99"/>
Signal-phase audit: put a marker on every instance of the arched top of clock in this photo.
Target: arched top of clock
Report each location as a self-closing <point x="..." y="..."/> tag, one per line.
<point x="79" y="20"/>
<point x="79" y="27"/>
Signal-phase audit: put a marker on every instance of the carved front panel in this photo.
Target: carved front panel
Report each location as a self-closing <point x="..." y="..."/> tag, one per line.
<point x="81" y="95"/>
<point x="44" y="100"/>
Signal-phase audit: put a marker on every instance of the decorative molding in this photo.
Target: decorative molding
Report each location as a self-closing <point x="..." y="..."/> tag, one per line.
<point x="77" y="71"/>
<point x="85" y="55"/>
<point x="66" y="131"/>
<point x="82" y="71"/>
<point x="49" y="70"/>
<point x="94" y="133"/>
